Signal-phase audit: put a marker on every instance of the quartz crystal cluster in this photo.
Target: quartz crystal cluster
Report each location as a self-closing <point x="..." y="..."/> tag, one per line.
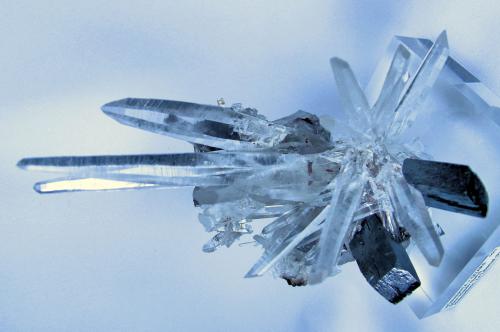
<point x="360" y="194"/>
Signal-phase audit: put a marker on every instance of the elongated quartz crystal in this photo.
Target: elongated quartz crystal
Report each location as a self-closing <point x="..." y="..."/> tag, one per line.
<point x="419" y="86"/>
<point x="347" y="189"/>
<point x="362" y="195"/>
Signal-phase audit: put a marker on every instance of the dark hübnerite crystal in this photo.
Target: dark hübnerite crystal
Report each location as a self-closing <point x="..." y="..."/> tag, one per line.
<point x="383" y="261"/>
<point x="447" y="186"/>
<point x="361" y="195"/>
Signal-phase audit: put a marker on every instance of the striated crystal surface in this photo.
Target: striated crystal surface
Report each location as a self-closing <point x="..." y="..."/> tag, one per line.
<point x="357" y="193"/>
<point x="382" y="260"/>
<point x="447" y="186"/>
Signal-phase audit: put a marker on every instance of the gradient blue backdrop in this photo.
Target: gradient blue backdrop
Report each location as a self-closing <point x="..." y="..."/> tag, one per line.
<point x="132" y="261"/>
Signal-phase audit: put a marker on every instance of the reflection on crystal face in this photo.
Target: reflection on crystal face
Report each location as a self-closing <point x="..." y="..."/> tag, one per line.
<point x="334" y="197"/>
<point x="383" y="260"/>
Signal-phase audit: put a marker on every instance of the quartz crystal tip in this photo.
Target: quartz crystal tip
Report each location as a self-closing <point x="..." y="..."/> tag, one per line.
<point x="40" y="164"/>
<point x="115" y="108"/>
<point x="23" y="163"/>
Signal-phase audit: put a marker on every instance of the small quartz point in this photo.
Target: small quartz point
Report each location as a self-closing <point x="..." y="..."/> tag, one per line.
<point x="447" y="186"/>
<point x="383" y="261"/>
<point x="225" y="238"/>
<point x="290" y="230"/>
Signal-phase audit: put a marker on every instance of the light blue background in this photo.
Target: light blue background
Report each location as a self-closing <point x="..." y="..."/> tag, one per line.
<point x="132" y="261"/>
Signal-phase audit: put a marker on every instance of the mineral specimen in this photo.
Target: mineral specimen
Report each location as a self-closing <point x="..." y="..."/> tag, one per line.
<point x="358" y="194"/>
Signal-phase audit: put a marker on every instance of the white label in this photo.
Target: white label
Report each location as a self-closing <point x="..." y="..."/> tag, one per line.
<point x="474" y="278"/>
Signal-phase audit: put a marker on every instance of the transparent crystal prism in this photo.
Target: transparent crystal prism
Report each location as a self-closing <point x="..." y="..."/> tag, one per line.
<point x="459" y="110"/>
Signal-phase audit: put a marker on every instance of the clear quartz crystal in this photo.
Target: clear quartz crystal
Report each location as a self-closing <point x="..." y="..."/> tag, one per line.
<point x="347" y="189"/>
<point x="315" y="188"/>
<point x="284" y="239"/>
<point x="418" y="88"/>
<point x="457" y="108"/>
<point x="352" y="96"/>
<point x="394" y="83"/>
<point x="413" y="214"/>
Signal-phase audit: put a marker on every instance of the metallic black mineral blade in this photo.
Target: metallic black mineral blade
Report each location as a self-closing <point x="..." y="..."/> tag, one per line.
<point x="446" y="186"/>
<point x="307" y="136"/>
<point x="204" y="148"/>
<point x="382" y="261"/>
